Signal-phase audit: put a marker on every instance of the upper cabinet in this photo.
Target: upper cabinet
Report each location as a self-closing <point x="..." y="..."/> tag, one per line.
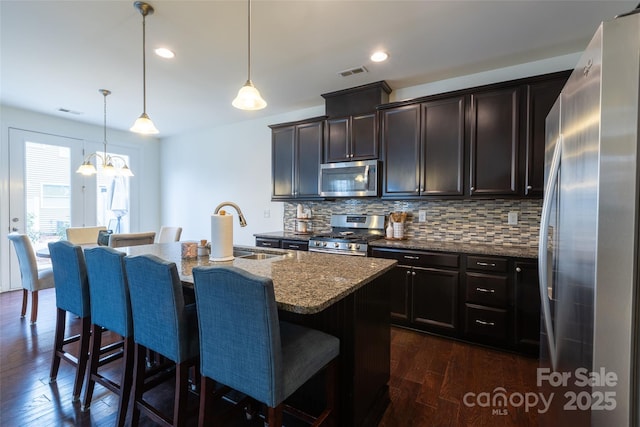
<point x="423" y="149"/>
<point x="495" y="136"/>
<point x="296" y="154"/>
<point x="480" y="142"/>
<point x="351" y="138"/>
<point x="540" y="96"/>
<point x="352" y="124"/>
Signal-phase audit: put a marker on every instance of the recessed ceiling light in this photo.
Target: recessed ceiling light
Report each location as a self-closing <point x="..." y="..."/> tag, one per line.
<point x="163" y="52"/>
<point x="379" y="56"/>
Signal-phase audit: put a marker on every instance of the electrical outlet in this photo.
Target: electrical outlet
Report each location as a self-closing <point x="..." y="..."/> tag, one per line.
<point x="422" y="215"/>
<point x="512" y="218"/>
<point x="267" y="213"/>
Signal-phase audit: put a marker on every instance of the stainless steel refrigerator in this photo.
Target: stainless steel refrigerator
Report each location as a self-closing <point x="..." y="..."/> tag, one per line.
<point x="588" y="257"/>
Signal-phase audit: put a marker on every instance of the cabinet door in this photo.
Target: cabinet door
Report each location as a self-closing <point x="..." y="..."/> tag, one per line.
<point x="364" y="137"/>
<point x="282" y="147"/>
<point x="401" y="150"/>
<point x="263" y="242"/>
<point x="540" y="99"/>
<point x="494" y="142"/>
<point x="435" y="299"/>
<point x="443" y="147"/>
<point x="399" y="279"/>
<point x="336" y="147"/>
<point x="308" y="158"/>
<point x="527" y="306"/>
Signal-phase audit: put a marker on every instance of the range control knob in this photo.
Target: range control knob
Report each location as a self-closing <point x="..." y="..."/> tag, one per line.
<point x="358" y="247"/>
<point x="336" y="245"/>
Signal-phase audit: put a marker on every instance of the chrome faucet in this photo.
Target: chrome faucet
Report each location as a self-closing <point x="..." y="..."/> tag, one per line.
<point x="243" y="222"/>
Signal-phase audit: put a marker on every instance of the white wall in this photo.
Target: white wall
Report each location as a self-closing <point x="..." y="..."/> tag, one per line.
<point x="144" y="186"/>
<point x="227" y="163"/>
<point x="233" y="162"/>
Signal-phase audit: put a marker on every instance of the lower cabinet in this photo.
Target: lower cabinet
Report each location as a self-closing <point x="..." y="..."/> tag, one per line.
<point x="488" y="300"/>
<point x="424" y="290"/>
<point x="269" y="242"/>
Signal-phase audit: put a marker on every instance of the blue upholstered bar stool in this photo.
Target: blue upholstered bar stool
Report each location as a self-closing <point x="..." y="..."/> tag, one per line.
<point x="33" y="278"/>
<point x="111" y="310"/>
<point x="164" y="324"/>
<point x="72" y="295"/>
<point x="245" y="347"/>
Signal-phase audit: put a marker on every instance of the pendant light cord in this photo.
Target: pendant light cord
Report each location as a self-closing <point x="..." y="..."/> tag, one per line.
<point x="249" y="43"/>
<point x="104" y="140"/>
<point x="144" y="64"/>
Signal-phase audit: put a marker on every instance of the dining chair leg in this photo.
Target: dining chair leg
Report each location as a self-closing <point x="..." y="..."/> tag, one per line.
<point x="182" y="390"/>
<point x="274" y="416"/>
<point x="58" y="343"/>
<point x="83" y="357"/>
<point x="25" y="294"/>
<point x="94" y="362"/>
<point x="126" y="380"/>
<point x="34" y="306"/>
<point x="138" y="384"/>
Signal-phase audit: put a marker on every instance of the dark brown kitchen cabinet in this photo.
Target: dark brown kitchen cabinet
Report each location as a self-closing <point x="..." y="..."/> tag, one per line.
<point x="423" y="149"/>
<point x="401" y="151"/>
<point x="527" y="306"/>
<point x="487" y="299"/>
<point x="424" y="290"/>
<point x="435" y="299"/>
<point x="295" y="159"/>
<point x="351" y="138"/>
<point x="263" y="242"/>
<point x="540" y="98"/>
<point x="494" y="142"/>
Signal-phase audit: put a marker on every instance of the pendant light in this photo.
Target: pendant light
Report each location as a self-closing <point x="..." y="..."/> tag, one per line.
<point x="248" y="96"/>
<point x="108" y="168"/>
<point x="144" y="124"/>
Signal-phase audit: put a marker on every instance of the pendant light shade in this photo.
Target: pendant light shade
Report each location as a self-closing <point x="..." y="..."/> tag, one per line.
<point x="143" y="124"/>
<point x="108" y="167"/>
<point x="248" y="96"/>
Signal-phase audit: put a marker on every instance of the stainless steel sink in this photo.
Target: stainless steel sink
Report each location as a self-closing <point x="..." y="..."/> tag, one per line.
<point x="255" y="255"/>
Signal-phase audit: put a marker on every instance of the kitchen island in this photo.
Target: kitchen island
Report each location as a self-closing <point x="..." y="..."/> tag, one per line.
<point x="346" y="296"/>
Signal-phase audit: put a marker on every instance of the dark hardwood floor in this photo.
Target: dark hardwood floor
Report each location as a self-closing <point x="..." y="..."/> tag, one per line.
<point x="429" y="379"/>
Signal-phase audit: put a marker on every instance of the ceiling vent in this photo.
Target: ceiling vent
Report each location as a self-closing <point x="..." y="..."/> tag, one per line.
<point x="352" y="71"/>
<point x="66" y="110"/>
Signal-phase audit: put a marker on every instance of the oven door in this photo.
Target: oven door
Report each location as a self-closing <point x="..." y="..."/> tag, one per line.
<point x="349" y="179"/>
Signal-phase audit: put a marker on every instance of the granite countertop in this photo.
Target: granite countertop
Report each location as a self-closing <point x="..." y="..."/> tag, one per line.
<point x="459" y="247"/>
<point x="304" y="282"/>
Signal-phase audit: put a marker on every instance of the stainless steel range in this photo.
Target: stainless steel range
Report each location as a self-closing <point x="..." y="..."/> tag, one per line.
<point x="350" y="235"/>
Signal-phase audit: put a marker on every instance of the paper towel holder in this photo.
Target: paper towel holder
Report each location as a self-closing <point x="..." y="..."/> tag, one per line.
<point x="243" y="221"/>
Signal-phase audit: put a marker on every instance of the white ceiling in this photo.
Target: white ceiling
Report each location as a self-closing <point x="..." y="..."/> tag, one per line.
<point x="57" y="54"/>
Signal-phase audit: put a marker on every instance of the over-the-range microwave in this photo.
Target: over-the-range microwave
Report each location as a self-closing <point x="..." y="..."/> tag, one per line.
<point x="349" y="179"/>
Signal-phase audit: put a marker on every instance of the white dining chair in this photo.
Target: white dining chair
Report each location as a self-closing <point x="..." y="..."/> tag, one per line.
<point x="84" y="235"/>
<point x="169" y="234"/>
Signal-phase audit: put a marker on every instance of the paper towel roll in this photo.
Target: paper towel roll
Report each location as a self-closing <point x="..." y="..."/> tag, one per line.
<point x="221" y="237"/>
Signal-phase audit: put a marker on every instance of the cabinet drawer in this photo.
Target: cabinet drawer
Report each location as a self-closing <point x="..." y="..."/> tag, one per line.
<point x="486" y="289"/>
<point x="267" y="243"/>
<point x="482" y="263"/>
<point x="295" y="244"/>
<point x="419" y="258"/>
<point x="486" y="322"/>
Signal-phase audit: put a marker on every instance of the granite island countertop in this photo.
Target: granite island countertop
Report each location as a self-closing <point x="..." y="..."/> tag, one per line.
<point x="303" y="282"/>
<point x="459" y="247"/>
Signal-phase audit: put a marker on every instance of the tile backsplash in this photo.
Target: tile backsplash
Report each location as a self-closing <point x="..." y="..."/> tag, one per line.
<point x="472" y="221"/>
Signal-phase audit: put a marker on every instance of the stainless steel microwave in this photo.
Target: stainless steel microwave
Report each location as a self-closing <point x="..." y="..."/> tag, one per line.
<point x="349" y="179"/>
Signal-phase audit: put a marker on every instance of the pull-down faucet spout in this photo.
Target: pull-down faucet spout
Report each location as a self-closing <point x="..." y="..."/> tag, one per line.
<point x="243" y="221"/>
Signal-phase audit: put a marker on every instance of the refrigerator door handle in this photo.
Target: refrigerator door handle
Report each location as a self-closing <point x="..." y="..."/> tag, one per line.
<point x="549" y="193"/>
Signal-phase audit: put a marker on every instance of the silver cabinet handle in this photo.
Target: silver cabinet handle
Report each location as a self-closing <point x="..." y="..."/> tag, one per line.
<point x="551" y="188"/>
<point x="413" y="273"/>
<point x="473" y="189"/>
<point x="483" y="323"/>
<point x="491" y="291"/>
<point x="529" y="187"/>
<point x="518" y="270"/>
<point x="486" y="264"/>
<point x="408" y="273"/>
<point x="294" y="247"/>
<point x="411" y="257"/>
<point x="266" y="244"/>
